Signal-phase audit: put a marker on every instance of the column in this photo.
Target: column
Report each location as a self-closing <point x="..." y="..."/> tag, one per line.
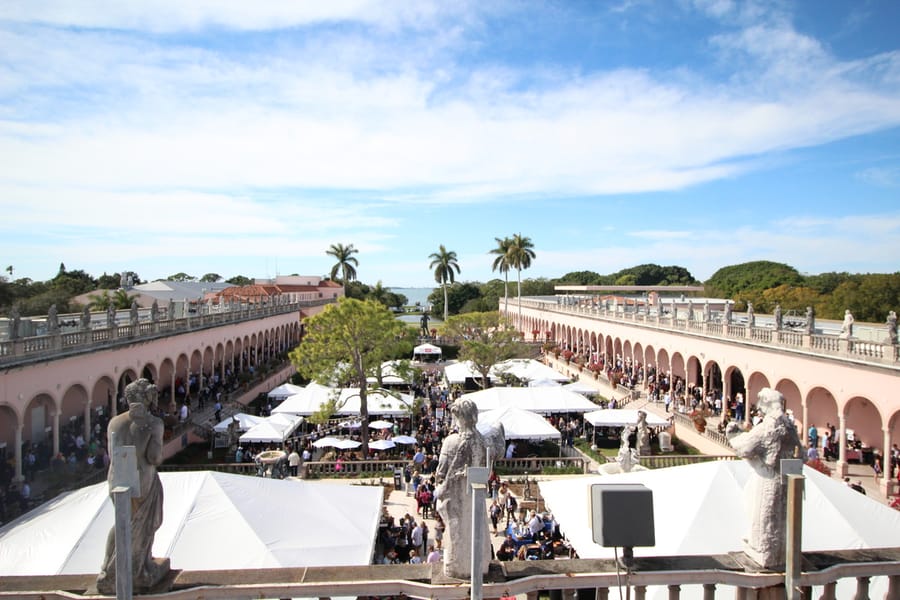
<point x="886" y="480"/>
<point x="55" y="434"/>
<point x="805" y="429"/>
<point x="19" y="429"/>
<point x="87" y="422"/>
<point x="842" y="446"/>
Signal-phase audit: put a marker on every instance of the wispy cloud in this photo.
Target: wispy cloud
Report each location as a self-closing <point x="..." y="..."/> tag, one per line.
<point x="888" y="177"/>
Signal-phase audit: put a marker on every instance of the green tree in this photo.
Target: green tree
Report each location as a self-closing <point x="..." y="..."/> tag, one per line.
<point x="486" y="340"/>
<point x="653" y="274"/>
<point x="181" y="277"/>
<point x="349" y="341"/>
<point x="239" y="280"/>
<point x="502" y="264"/>
<point x="751" y="276"/>
<point x="521" y="253"/>
<point x="346" y="263"/>
<point x="444" y="264"/>
<point x="119" y="299"/>
<point x="580" y="278"/>
<point x="211" y="278"/>
<point x="108" y="282"/>
<point x="458" y="294"/>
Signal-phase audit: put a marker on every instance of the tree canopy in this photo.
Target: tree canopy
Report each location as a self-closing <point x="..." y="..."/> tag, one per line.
<point x="751" y="276"/>
<point x="486" y="340"/>
<point x="347" y="342"/>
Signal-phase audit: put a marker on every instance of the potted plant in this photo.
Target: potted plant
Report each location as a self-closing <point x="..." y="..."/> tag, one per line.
<point x="567" y="355"/>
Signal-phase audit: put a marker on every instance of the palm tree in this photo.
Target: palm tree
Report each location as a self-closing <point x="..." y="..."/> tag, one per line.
<point x="520" y="255"/>
<point x="501" y="263"/>
<point x="346" y="263"/>
<point x="444" y="263"/>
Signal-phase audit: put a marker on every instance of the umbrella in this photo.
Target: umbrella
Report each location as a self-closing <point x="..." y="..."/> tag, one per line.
<point x="381" y="424"/>
<point x="325" y="442"/>
<point x="382" y="444"/>
<point x="405" y="439"/>
<point x="347" y="444"/>
<point x="350" y="424"/>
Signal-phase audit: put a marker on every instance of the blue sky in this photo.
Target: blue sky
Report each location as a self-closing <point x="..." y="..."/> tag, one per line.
<point x="247" y="137"/>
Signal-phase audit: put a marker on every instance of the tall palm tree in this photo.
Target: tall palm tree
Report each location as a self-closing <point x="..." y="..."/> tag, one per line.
<point x="444" y="263"/>
<point x="520" y="256"/>
<point x="501" y="263"/>
<point x="346" y="263"/>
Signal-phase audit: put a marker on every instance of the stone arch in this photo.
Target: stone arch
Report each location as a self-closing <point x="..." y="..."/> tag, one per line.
<point x="104" y="394"/>
<point x="128" y="376"/>
<point x="694" y="372"/>
<point x="821" y="408"/>
<point x="793" y="401"/>
<point x="756" y="382"/>
<point x="73" y="404"/>
<point x="9" y="421"/>
<point x="712" y="378"/>
<point x="678" y="366"/>
<point x="862" y="417"/>
<point x="150" y="373"/>
<point x="38" y="417"/>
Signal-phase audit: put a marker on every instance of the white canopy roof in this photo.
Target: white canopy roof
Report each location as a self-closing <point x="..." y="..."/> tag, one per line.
<point x="389" y="374"/>
<point x="619" y="417"/>
<point x="283" y="391"/>
<point x="211" y="521"/>
<point x="518" y="424"/>
<point x="582" y="388"/>
<point x="426" y="349"/>
<point x="244" y="420"/>
<point x="524" y="368"/>
<point x="543" y="400"/>
<point x="276" y="428"/>
<point x="314" y="395"/>
<point x="699" y="510"/>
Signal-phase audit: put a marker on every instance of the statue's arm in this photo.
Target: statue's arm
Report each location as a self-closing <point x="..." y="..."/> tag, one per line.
<point x="154" y="452"/>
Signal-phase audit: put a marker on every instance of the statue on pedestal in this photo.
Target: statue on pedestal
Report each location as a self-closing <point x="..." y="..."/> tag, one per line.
<point x="728" y="312"/>
<point x="134" y="313"/>
<point x="643" y="435"/>
<point x="15" y="319"/>
<point x="170" y="311"/>
<point x="773" y="439"/>
<point x="52" y="320"/>
<point x="111" y="315"/>
<point x="847" y="325"/>
<point x="468" y="448"/>
<point x="779" y="320"/>
<point x="751" y="316"/>
<point x="892" y="327"/>
<point x="86" y="318"/>
<point x="140" y="428"/>
<point x="810" y="320"/>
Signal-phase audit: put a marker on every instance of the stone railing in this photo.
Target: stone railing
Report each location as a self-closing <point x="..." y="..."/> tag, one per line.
<point x="710" y="433"/>
<point x="661" y="461"/>
<point x="728" y="574"/>
<point x="64" y="342"/>
<point x="384" y="468"/>
<point x="822" y="344"/>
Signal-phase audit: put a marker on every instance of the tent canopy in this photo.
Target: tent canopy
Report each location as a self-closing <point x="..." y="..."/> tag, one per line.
<point x="283" y="391"/>
<point x="526" y="369"/>
<point x="244" y="420"/>
<point x="620" y="417"/>
<point x="544" y="400"/>
<point x="428" y="349"/>
<point x="276" y="428"/>
<point x="518" y="424"/>
<point x="709" y="515"/>
<point x="311" y="399"/>
<point x="211" y="521"/>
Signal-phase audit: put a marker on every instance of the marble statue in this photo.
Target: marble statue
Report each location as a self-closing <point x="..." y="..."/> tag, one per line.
<point x="52" y="320"/>
<point x="627" y="458"/>
<point x="773" y="439"/>
<point x="690" y="310"/>
<point x="779" y="320"/>
<point x="751" y="316"/>
<point x="727" y="312"/>
<point x="15" y="318"/>
<point x="706" y="312"/>
<point x="643" y="435"/>
<point x="154" y="312"/>
<point x="111" y="315"/>
<point x="467" y="448"/>
<point x="892" y="327"/>
<point x="170" y="310"/>
<point x="86" y="318"/>
<point x="140" y="428"/>
<point x="810" y="320"/>
<point x="847" y="325"/>
<point x="134" y="313"/>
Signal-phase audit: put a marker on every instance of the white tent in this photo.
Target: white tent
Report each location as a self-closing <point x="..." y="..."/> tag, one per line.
<point x="211" y="521"/>
<point x="526" y="369"/>
<point x="311" y="399"/>
<point x="582" y="388"/>
<point x="544" y="400"/>
<point x="699" y="510"/>
<point x="426" y="350"/>
<point x="389" y="374"/>
<point x="244" y="420"/>
<point x="620" y="417"/>
<point x="518" y="424"/>
<point x="283" y="391"/>
<point x="276" y="428"/>
<point x="307" y="401"/>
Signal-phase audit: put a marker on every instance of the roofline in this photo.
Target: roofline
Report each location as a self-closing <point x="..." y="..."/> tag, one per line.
<point x="629" y="288"/>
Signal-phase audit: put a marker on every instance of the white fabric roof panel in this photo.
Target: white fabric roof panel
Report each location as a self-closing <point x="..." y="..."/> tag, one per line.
<point x="619" y="417"/>
<point x="544" y="400"/>
<point x="211" y="521"/>
<point x="518" y="424"/>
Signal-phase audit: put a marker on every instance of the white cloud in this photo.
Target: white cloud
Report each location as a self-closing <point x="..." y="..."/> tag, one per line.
<point x="880" y="176"/>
